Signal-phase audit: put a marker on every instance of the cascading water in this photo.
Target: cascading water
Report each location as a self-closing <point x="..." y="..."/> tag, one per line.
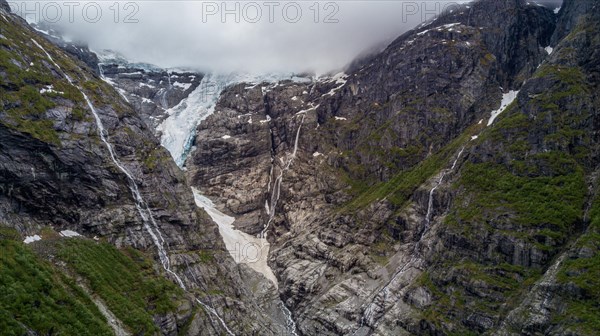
<point x="383" y="295"/>
<point x="430" y="201"/>
<point x="121" y="92"/>
<point x="270" y="209"/>
<point x="148" y="221"/>
<point x="290" y="323"/>
<point x="276" y="190"/>
<point x="369" y="313"/>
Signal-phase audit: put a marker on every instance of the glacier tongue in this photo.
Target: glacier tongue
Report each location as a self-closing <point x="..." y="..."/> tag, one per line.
<point x="179" y="129"/>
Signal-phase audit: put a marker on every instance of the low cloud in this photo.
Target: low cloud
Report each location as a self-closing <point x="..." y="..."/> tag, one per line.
<point x="254" y="36"/>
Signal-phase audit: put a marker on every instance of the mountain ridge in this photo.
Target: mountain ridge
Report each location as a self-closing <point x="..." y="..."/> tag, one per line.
<point x="391" y="206"/>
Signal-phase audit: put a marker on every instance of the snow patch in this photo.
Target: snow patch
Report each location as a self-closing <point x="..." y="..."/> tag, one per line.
<point x="549" y="50"/>
<point x="266" y="120"/>
<point x="127" y="74"/>
<point x="31" y="239"/>
<point x="556" y="10"/>
<point x="225" y="137"/>
<point x="340" y="78"/>
<point x="449" y="25"/>
<point x="340" y="118"/>
<point x="50" y="89"/>
<point x="507" y="99"/>
<point x="244" y="248"/>
<point x="183" y="86"/>
<point x="69" y="234"/>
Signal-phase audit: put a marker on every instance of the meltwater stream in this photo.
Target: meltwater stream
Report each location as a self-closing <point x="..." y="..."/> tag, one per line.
<point x="276" y="190"/>
<point x="372" y="310"/>
<point x="382" y="296"/>
<point x="149" y="223"/>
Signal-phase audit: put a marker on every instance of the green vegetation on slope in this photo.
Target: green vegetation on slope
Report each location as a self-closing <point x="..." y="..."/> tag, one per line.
<point x="39" y="297"/>
<point x="24" y="73"/>
<point x="554" y="201"/>
<point x="583" y="307"/>
<point x="400" y="187"/>
<point x="523" y="193"/>
<point x="35" y="297"/>
<point x="124" y="279"/>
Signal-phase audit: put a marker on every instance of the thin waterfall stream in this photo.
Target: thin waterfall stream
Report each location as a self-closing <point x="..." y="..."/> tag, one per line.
<point x="148" y="221"/>
<point x="276" y="190"/>
<point x="270" y="208"/>
<point x="384" y="293"/>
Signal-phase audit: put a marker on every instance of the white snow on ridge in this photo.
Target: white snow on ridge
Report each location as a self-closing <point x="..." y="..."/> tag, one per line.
<point x="244" y="248"/>
<point x="507" y="99"/>
<point x="183" y="86"/>
<point x="340" y="78"/>
<point x="549" y="50"/>
<point x="31" y="239"/>
<point x="50" y="89"/>
<point x="69" y="234"/>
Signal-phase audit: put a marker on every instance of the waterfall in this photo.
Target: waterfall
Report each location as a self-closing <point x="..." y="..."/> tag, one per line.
<point x="121" y="92"/>
<point x="383" y="294"/>
<point x="142" y="207"/>
<point x="290" y="323"/>
<point x="432" y="191"/>
<point x="277" y="184"/>
<point x="270" y="209"/>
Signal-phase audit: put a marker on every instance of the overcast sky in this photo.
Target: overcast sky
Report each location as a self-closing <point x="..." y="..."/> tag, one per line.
<point x="260" y="36"/>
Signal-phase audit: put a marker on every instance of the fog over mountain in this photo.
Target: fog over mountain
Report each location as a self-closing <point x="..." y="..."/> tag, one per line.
<point x="250" y="36"/>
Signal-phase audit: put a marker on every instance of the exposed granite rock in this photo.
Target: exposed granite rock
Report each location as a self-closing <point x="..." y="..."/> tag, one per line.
<point x="55" y="172"/>
<point x="5" y="6"/>
<point x="395" y="264"/>
<point x="366" y="183"/>
<point x="570" y="13"/>
<point x="149" y="89"/>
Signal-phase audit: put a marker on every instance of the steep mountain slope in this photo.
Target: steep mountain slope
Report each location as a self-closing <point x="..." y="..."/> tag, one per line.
<point x="152" y="91"/>
<point x="405" y="198"/>
<point x="75" y="156"/>
<point x="447" y="185"/>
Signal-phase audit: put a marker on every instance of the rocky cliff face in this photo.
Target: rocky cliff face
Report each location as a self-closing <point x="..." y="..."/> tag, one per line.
<point x="149" y="89"/>
<point x="447" y="185"/>
<point x="57" y="174"/>
<point x="392" y="207"/>
<point x="4" y="5"/>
